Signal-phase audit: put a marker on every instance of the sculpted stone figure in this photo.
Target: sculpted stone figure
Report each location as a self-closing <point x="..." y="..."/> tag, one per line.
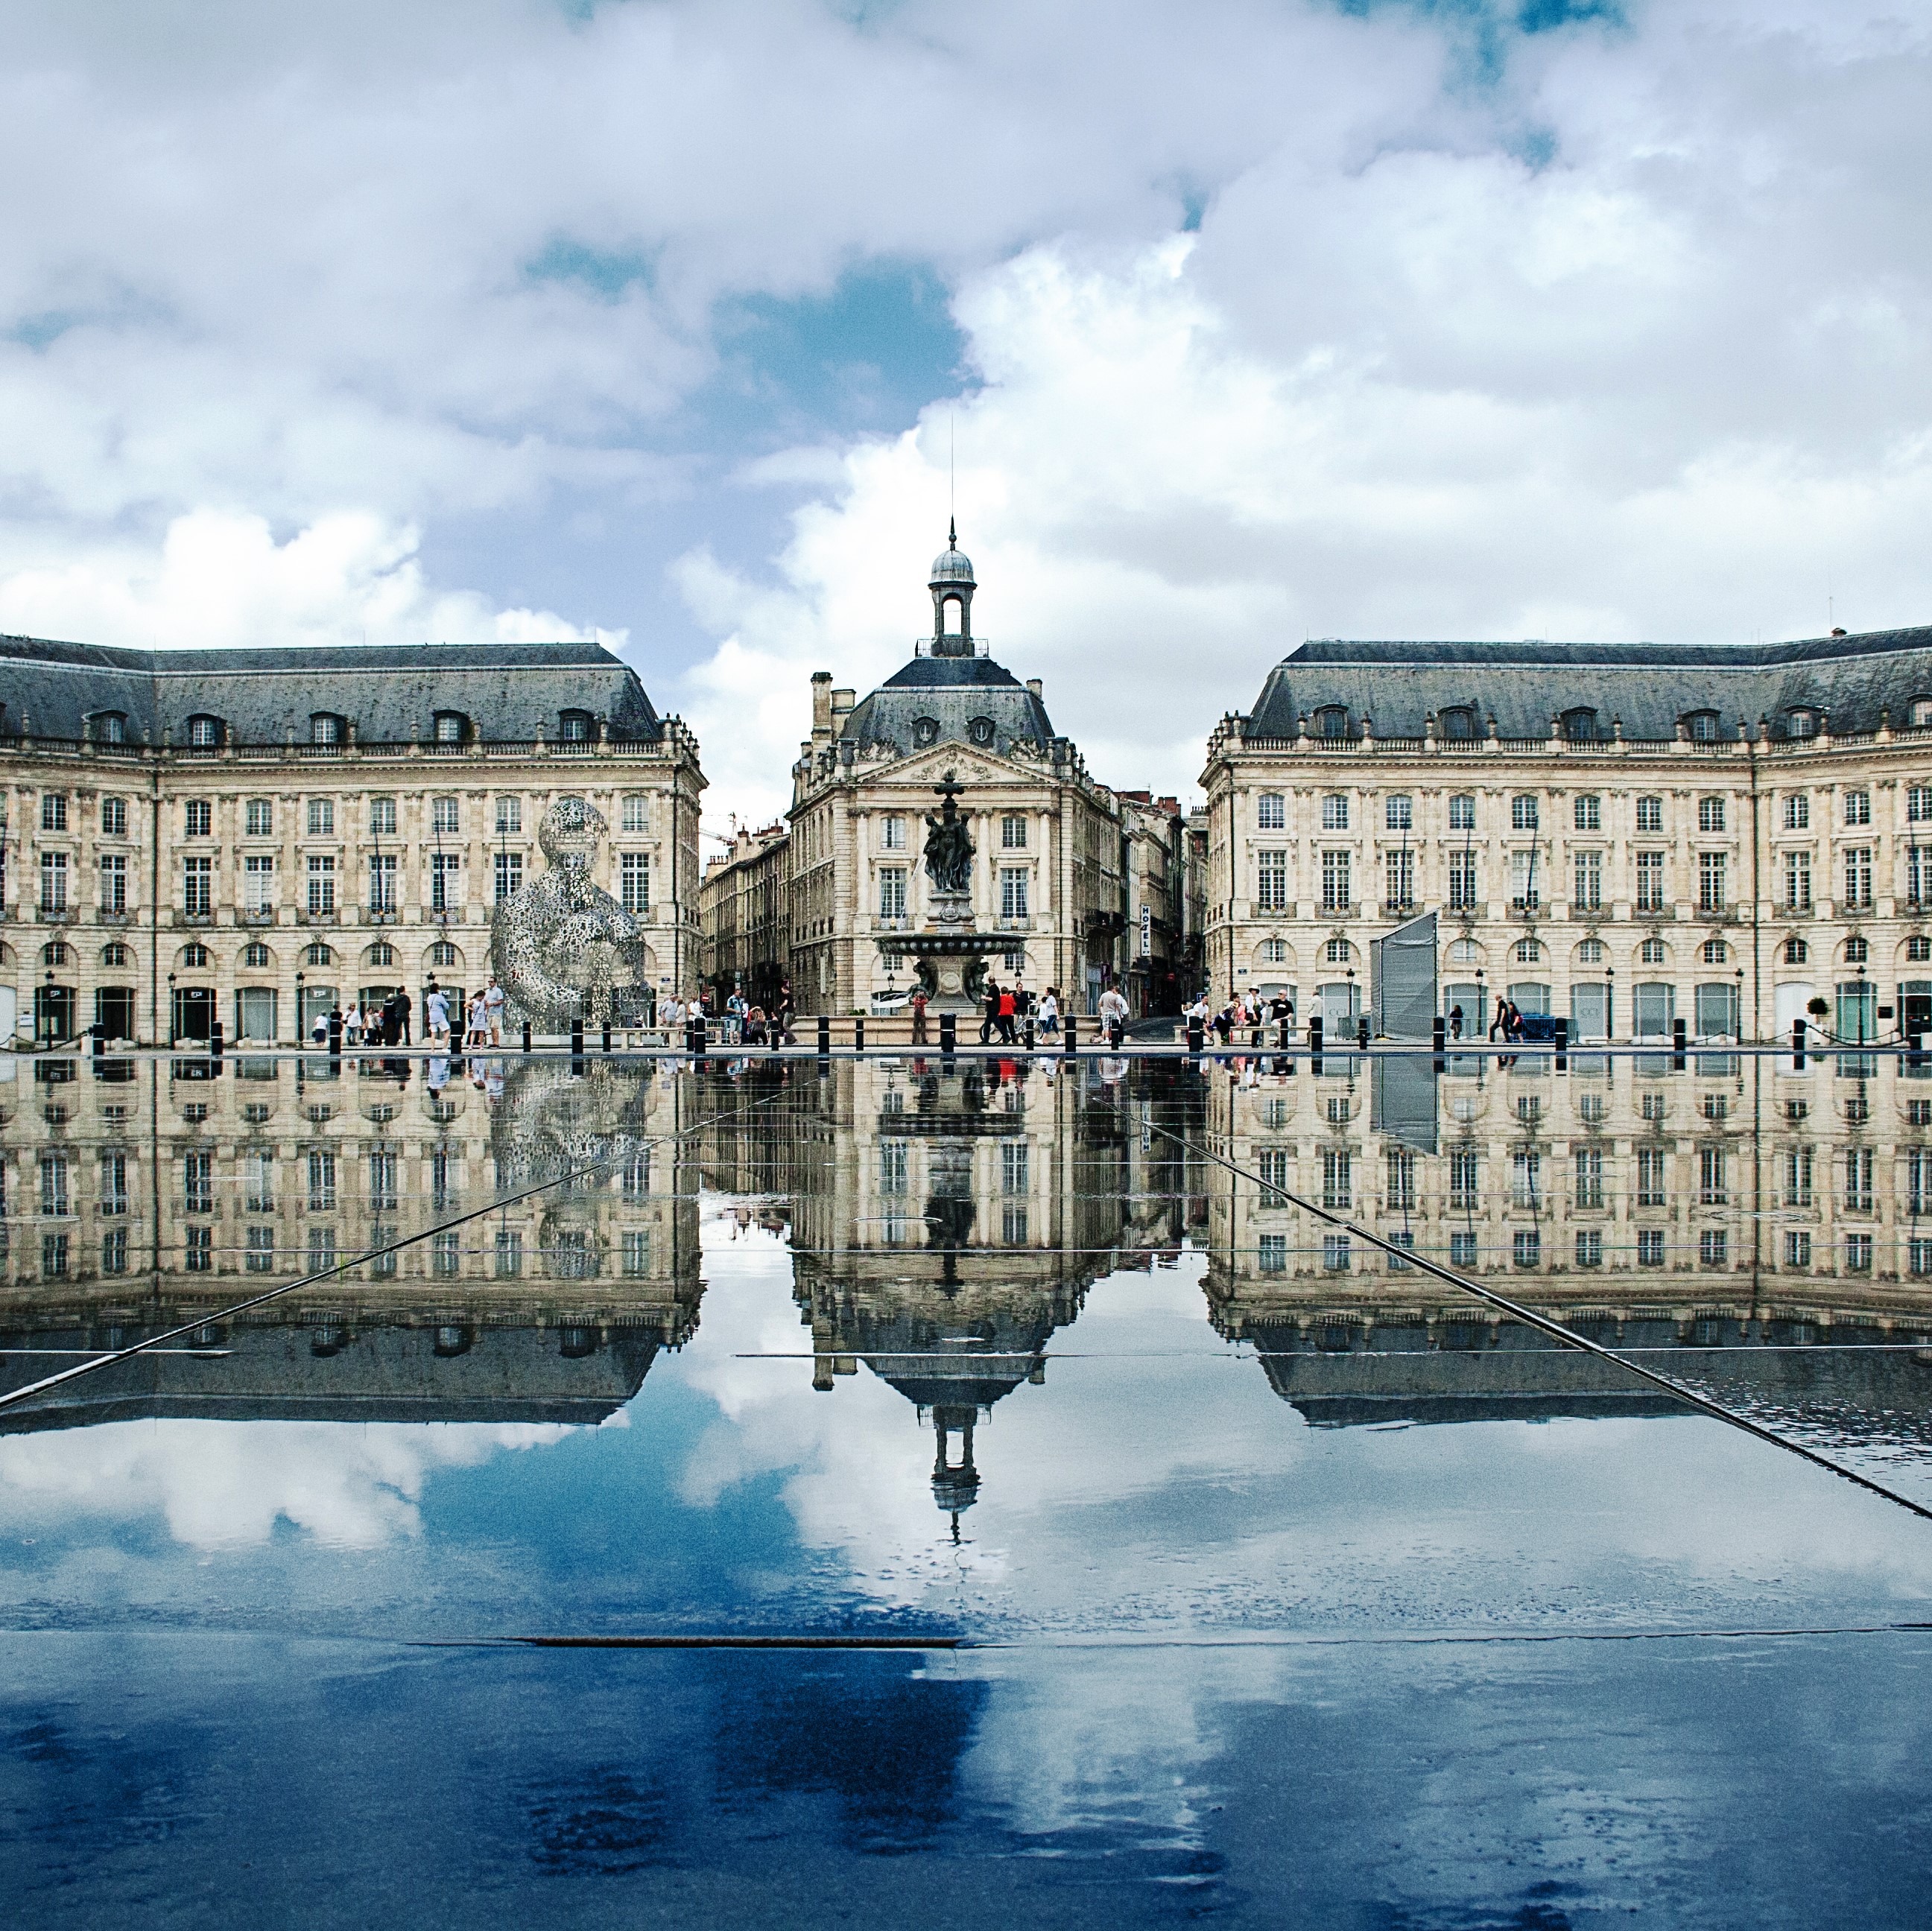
<point x="948" y="845"/>
<point x="561" y="944"/>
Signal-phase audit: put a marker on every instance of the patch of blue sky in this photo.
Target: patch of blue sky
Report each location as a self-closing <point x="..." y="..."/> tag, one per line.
<point x="1485" y="28"/>
<point x="602" y="273"/>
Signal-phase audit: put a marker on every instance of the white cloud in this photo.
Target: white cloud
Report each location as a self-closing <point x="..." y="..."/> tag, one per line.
<point x="219" y="579"/>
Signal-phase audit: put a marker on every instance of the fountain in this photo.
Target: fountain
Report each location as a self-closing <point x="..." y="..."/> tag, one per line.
<point x="949" y="955"/>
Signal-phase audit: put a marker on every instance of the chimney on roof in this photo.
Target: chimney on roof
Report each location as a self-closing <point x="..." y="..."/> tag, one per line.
<point x="1038" y="689"/>
<point x="821" y="703"/>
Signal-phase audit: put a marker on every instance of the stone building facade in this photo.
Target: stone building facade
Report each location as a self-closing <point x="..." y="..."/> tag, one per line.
<point x="1047" y="874"/>
<point x="744" y="909"/>
<point x="1622" y="835"/>
<point x="253" y="836"/>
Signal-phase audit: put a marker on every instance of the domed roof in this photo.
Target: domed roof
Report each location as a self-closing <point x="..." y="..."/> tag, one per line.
<point x="952" y="565"/>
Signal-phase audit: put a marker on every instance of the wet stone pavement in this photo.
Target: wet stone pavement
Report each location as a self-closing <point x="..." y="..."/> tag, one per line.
<point x="860" y="1492"/>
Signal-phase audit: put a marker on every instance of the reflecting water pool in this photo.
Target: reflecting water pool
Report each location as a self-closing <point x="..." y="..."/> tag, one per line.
<point x="798" y="1489"/>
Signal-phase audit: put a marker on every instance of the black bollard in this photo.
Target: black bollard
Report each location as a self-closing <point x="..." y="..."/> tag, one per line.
<point x="1678" y="1032"/>
<point x="1562" y="1045"/>
<point x="1284" y="1039"/>
<point x="607" y="1036"/>
<point x="1027" y="1032"/>
<point x="1362" y="1032"/>
<point x="526" y="1036"/>
<point x="859" y="1036"/>
<point x="1196" y="1036"/>
<point x="1439" y="1039"/>
<point x="949" y="1033"/>
<point x="825" y="1036"/>
<point x="1797" y="1045"/>
<point x="214" y="1038"/>
<point x="577" y="1036"/>
<point x="700" y="1033"/>
<point x="335" y="1034"/>
<point x="1315" y="1034"/>
<point x="1073" y="1034"/>
<point x="97" y="1040"/>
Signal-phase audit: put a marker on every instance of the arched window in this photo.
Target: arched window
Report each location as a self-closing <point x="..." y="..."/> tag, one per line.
<point x="1332" y="720"/>
<point x="1528" y="951"/>
<point x="451" y="727"/>
<point x="925" y="730"/>
<point x="318" y="954"/>
<point x="574" y="727"/>
<point x="255" y="955"/>
<point x="1579" y="726"/>
<point x="1857" y="951"/>
<point x="204" y="732"/>
<point x="1796" y="952"/>
<point x="194" y="956"/>
<point x="115" y="954"/>
<point x="110" y="726"/>
<point x="442" y="953"/>
<point x="1921" y="710"/>
<point x="1716" y="952"/>
<point x="1590" y="952"/>
<point x="1459" y="724"/>
<point x="1800" y="724"/>
<point x="381" y="953"/>
<point x="53" y="954"/>
<point x="1701" y="726"/>
<point x="980" y="731"/>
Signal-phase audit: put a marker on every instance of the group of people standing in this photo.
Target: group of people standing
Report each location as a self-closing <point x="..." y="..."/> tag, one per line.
<point x="1245" y="1009"/>
<point x="1003" y="1011"/>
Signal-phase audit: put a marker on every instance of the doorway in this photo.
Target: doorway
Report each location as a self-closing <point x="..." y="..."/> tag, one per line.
<point x="114" y="1012"/>
<point x="193" y="1012"/>
<point x="1590" y="1010"/>
<point x="53" y="1014"/>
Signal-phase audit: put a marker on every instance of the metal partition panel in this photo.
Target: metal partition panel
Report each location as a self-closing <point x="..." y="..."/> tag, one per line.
<point x="1401" y="968"/>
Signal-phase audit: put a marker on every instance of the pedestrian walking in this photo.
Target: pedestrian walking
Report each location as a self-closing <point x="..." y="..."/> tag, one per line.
<point x="918" y="1002"/>
<point x="1049" y="1013"/>
<point x="991" y="1011"/>
<point x="493" y="1002"/>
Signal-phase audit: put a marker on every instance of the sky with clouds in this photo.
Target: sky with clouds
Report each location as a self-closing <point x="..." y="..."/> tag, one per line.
<point x="1243" y="320"/>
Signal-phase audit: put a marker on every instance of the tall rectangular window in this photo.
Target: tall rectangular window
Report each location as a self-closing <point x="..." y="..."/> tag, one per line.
<point x="1335" y="891"/>
<point x="259" y="1180"/>
<point x="445" y="815"/>
<point x="1857" y="807"/>
<point x="258" y="818"/>
<point x="1271" y="881"/>
<point x="1918" y="804"/>
<point x="1012" y="832"/>
<point x="891" y="832"/>
<point x="1462" y="1180"/>
<point x="1462" y="812"/>
<point x="1273" y="1163"/>
<point x="322" y="817"/>
<point x="1015" y="1166"/>
<point x="1858" y="1165"/>
<point x="1462" y="880"/>
<point x="1589" y="1177"/>
<point x="1918" y="874"/>
<point x="634" y="881"/>
<point x="53" y="881"/>
<point x="198" y="887"/>
<point x="891" y="891"/>
<point x="1710" y="881"/>
<point x="1337" y="1178"/>
<point x="113" y="817"/>
<point x="1798" y="881"/>
<point x="1589" y="812"/>
<point x="509" y="874"/>
<point x="1858" y="878"/>
<point x="1400" y="866"/>
<point x="635" y="1255"/>
<point x="1013" y="891"/>
<point x="383" y="817"/>
<point x="321" y="884"/>
<point x="113" y="1198"/>
<point x="261" y="1257"/>
<point x="382" y="881"/>
<point x="1588" y="895"/>
<point x="1650" y="814"/>
<point x="1651" y="1176"/>
<point x="1710" y="815"/>
<point x="114" y="1251"/>
<point x="113" y="882"/>
<point x="1399" y="812"/>
<point x="1798" y="1177"/>
<point x="1525" y="891"/>
<point x="382" y="1180"/>
<point x="1335" y="812"/>
<point x="1797" y="812"/>
<point x="509" y="814"/>
<point x="509" y="1253"/>
<point x="1271" y="812"/>
<point x="258" y="883"/>
<point x="446" y="883"/>
<point x="1713" y="1189"/>
<point x="1525" y="1177"/>
<point x="53" y="1184"/>
<point x="1649" y="881"/>
<point x="53" y="1256"/>
<point x="1798" y="1247"/>
<point x="894" y="1168"/>
<point x="198" y="1182"/>
<point x="1522" y="813"/>
<point x="53" y="812"/>
<point x="321" y="1181"/>
<point x="1400" y="1193"/>
<point x="637" y="811"/>
<point x="198" y="817"/>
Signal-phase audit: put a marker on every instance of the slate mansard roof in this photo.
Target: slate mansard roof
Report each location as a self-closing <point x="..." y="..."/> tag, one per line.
<point x="952" y="692"/>
<point x="508" y="692"/>
<point x="1650" y="687"/>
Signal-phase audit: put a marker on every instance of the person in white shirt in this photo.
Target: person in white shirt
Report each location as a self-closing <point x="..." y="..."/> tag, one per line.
<point x="436" y="1010"/>
<point x="1113" y="1014"/>
<point x="1049" y="1013"/>
<point x="493" y="1008"/>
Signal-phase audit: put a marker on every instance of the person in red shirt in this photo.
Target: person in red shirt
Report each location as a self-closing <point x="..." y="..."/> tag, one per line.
<point x="1006" y="1009"/>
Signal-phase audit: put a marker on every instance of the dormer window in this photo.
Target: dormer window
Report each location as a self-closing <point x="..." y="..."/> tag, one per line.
<point x="1332" y="720"/>
<point x="451" y="727"/>
<point x="1701" y="726"/>
<point x="110" y="727"/>
<point x="1459" y="724"/>
<point x="925" y="730"/>
<point x="1800" y="724"/>
<point x="1921" y="710"/>
<point x="326" y="727"/>
<point x="980" y="731"/>
<point x="1579" y="726"/>
<point x="204" y="732"/>
<point x="574" y="727"/>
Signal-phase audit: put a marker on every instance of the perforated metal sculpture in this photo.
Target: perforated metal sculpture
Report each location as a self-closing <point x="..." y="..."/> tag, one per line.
<point x="562" y="945"/>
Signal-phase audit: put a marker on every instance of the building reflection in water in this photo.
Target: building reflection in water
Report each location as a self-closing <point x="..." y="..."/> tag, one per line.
<point x="1759" y="1229"/>
<point x="947" y="1219"/>
<point x="142" y="1195"/>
